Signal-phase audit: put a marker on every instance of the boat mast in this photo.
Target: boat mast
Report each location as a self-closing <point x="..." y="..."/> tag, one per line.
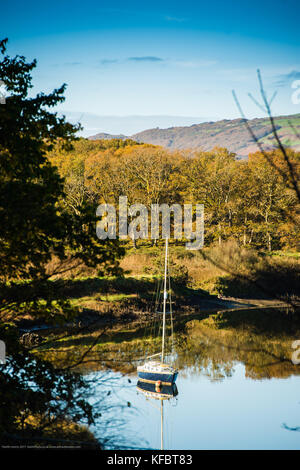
<point x="162" y="425"/>
<point x="164" y="304"/>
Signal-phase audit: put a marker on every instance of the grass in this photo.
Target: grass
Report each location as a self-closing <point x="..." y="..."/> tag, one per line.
<point x="285" y="254"/>
<point x="56" y="432"/>
<point x="227" y="270"/>
<point x="151" y="260"/>
<point x="213" y="267"/>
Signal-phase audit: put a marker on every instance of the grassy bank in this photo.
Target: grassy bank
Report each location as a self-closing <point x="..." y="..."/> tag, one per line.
<point x="199" y="279"/>
<point x="57" y="433"/>
<point x="213" y="279"/>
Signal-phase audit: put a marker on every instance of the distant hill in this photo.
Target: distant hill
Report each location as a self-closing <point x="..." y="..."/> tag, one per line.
<point x="129" y="124"/>
<point x="104" y="136"/>
<point x="231" y="134"/>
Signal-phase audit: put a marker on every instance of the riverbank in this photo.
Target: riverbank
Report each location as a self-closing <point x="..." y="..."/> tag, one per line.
<point x="132" y="302"/>
<point x="118" y="307"/>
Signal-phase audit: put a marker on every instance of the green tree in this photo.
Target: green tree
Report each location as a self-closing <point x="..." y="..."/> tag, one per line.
<point x="36" y="224"/>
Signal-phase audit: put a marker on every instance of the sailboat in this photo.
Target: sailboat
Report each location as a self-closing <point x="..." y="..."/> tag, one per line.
<point x="157" y="371"/>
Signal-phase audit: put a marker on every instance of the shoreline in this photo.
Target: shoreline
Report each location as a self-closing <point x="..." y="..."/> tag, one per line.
<point x="114" y="320"/>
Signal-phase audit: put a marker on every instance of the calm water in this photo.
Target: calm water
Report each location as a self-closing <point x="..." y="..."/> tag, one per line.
<point x="233" y="393"/>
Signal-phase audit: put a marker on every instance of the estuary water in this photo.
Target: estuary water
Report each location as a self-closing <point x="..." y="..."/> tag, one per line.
<point x="235" y="391"/>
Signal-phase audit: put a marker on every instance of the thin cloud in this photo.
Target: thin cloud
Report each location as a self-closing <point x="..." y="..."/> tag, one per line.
<point x="152" y="59"/>
<point x="67" y="64"/>
<point x="108" y="61"/>
<point x="284" y="79"/>
<point x="155" y="59"/>
<point x="175" y="19"/>
<point x="146" y="58"/>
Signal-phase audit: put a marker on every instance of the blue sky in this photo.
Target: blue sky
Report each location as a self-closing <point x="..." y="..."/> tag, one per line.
<point x="159" y="58"/>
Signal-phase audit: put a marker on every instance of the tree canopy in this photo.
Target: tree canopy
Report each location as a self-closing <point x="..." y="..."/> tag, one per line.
<point x="37" y="226"/>
<point x="247" y="200"/>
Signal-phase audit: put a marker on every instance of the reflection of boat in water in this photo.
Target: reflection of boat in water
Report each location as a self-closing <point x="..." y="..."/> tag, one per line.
<point x="157" y="391"/>
<point x="154" y="371"/>
<point x="161" y="392"/>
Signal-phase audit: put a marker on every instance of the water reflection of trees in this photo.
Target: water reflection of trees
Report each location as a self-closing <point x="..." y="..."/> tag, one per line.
<point x="263" y="356"/>
<point x="209" y="347"/>
<point x="40" y="403"/>
<point x="106" y="390"/>
<point x="48" y="400"/>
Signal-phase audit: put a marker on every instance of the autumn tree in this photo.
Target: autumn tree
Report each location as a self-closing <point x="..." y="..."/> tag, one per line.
<point x="211" y="180"/>
<point x="272" y="200"/>
<point x="36" y="225"/>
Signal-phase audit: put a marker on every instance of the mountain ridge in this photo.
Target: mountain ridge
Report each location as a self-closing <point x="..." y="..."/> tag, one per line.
<point x="229" y="133"/>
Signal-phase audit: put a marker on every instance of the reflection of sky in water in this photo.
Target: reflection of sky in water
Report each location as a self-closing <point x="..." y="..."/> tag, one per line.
<point x="235" y="413"/>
